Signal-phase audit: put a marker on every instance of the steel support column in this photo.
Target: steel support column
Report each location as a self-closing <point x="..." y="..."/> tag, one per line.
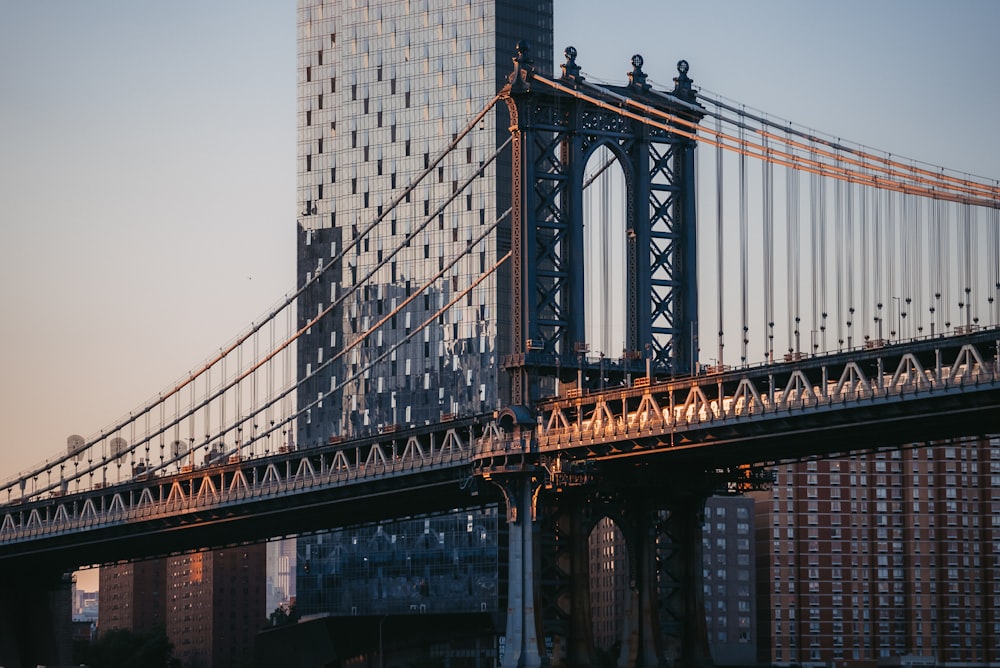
<point x="565" y="574"/>
<point x="522" y="647"/>
<point x="664" y="621"/>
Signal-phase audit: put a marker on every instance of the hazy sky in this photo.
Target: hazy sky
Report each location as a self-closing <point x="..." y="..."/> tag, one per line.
<point x="147" y="159"/>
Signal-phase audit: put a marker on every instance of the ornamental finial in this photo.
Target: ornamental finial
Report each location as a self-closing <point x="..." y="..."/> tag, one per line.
<point x="570" y="70"/>
<point x="524" y="67"/>
<point x="682" y="82"/>
<point x="637" y="78"/>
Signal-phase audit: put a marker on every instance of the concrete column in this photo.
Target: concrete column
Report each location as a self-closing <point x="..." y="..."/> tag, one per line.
<point x="523" y="632"/>
<point x="35" y="618"/>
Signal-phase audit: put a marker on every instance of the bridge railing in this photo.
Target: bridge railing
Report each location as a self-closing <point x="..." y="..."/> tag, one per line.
<point x="239" y="482"/>
<point x="877" y="375"/>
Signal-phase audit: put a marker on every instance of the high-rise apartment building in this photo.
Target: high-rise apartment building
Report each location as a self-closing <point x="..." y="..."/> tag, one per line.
<point x="729" y="580"/>
<point x="384" y="86"/>
<point x="883" y="558"/>
<point x="132" y="596"/>
<point x="216" y="604"/>
<point x="210" y="603"/>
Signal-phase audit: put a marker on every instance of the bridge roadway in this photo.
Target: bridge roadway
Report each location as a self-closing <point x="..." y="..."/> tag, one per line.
<point x="884" y="395"/>
<point x="877" y="397"/>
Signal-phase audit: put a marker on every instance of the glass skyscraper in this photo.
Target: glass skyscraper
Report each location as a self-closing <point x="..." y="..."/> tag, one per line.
<point x="384" y="86"/>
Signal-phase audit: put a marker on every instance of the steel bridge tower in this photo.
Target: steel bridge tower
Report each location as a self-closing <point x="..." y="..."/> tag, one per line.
<point x="553" y="504"/>
<point x="554" y="134"/>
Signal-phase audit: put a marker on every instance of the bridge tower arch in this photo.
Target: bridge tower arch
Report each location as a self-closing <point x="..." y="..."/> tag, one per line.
<point x="556" y="126"/>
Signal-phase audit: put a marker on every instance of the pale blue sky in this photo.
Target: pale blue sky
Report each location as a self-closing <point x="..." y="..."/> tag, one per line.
<point x="147" y="171"/>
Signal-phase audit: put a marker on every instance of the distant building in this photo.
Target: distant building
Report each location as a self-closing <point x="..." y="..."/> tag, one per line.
<point x="383" y="87"/>
<point x="85" y="605"/>
<point x="132" y="596"/>
<point x="211" y="603"/>
<point x="414" y="566"/>
<point x="280" y="573"/>
<point x="886" y="558"/>
<point x="216" y="604"/>
<point x="729" y="580"/>
<point x="608" y="583"/>
<point x="728" y="573"/>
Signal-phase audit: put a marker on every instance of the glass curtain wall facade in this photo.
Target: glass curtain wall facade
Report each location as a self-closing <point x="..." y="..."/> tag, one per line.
<point x="418" y="565"/>
<point x="384" y="86"/>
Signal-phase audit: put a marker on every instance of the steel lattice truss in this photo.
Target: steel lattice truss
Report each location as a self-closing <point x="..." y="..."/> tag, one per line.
<point x="554" y="135"/>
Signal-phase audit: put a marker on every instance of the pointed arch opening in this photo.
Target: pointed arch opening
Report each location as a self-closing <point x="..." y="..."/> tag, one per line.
<point x="605" y="227"/>
<point x="609" y="577"/>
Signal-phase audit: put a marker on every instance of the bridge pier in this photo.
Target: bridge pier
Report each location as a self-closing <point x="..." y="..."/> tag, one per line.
<point x="35" y="618"/>
<point x="523" y="629"/>
<point x="664" y="623"/>
<point x="550" y="517"/>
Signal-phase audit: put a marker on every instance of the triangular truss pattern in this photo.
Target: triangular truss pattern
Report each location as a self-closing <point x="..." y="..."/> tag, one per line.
<point x="117" y="505"/>
<point x="88" y="512"/>
<point x="376" y="456"/>
<point x="239" y="484"/>
<point x="176" y="494"/>
<point x="853" y="382"/>
<point x="603" y="420"/>
<point x="798" y="391"/>
<point x="207" y="490"/>
<point x="746" y="400"/>
<point x="271" y="475"/>
<point x="696" y="406"/>
<point x="452" y="444"/>
<point x="145" y="498"/>
<point x="649" y="412"/>
<point x="909" y="373"/>
<point x="62" y="515"/>
<point x="305" y="470"/>
<point x="967" y="364"/>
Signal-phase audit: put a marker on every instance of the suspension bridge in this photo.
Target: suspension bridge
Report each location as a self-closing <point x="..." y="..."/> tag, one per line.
<point x="850" y="300"/>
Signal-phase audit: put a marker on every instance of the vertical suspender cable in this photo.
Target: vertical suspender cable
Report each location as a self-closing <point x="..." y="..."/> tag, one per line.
<point x="906" y="237"/>
<point x="792" y="255"/>
<point x="823" y="294"/>
<point x="917" y="285"/>
<point x="890" y="260"/>
<point x="849" y="259"/>
<point x="865" y="252"/>
<point x="269" y="412"/>
<point x="946" y="251"/>
<point x="767" y="184"/>
<point x="838" y="257"/>
<point x="934" y="253"/>
<point x="720" y="282"/>
<point x="744" y="314"/>
<point x="969" y="261"/>
<point x="879" y="262"/>
<point x="814" y="254"/>
<point x="993" y="253"/>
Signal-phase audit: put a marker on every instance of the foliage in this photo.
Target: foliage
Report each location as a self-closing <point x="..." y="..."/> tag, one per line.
<point x="120" y="648"/>
<point x="283" y="615"/>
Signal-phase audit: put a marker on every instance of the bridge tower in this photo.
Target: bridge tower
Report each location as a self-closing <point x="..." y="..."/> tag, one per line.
<point x="552" y="504"/>
<point x="555" y="132"/>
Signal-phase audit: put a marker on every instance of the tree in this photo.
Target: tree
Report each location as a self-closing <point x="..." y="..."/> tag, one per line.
<point x="120" y="648"/>
<point x="284" y="615"/>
